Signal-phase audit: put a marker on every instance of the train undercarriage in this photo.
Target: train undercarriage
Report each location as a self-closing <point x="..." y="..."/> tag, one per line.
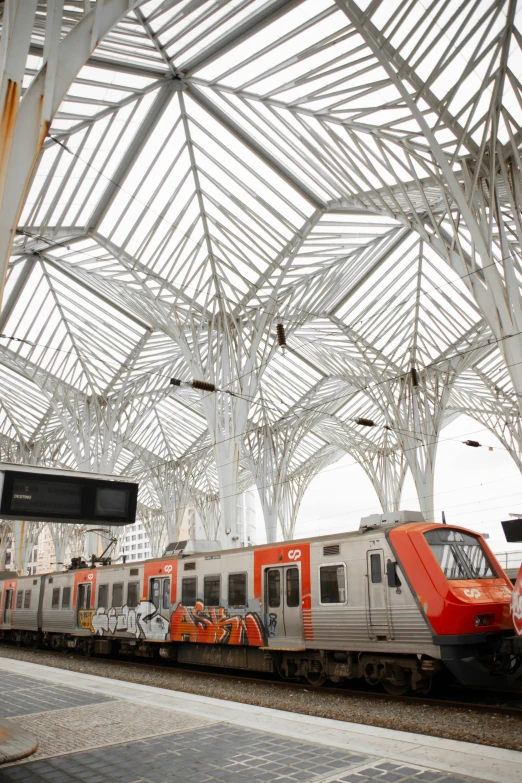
<point x="397" y="674"/>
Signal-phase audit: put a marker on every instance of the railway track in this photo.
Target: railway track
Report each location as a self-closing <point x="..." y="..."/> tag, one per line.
<point x="507" y="703"/>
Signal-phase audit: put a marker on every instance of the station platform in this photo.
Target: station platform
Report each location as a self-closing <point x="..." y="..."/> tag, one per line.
<point x="96" y="730"/>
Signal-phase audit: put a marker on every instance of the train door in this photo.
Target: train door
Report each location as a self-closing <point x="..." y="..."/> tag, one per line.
<point x="159" y="594"/>
<point x="83" y="600"/>
<point x="8" y="607"/>
<point x="377" y="601"/>
<point x="283" y="606"/>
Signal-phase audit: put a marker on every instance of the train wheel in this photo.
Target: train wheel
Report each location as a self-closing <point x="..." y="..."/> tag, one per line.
<point x="315" y="679"/>
<point x="394" y="689"/>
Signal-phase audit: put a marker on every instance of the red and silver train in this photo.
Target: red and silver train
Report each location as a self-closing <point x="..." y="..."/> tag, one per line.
<point x="393" y="603"/>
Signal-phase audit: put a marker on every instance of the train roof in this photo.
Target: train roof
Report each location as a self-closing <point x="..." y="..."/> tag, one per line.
<point x="334" y="537"/>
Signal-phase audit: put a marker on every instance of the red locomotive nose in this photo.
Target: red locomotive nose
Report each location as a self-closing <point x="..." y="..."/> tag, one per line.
<point x="459" y="584"/>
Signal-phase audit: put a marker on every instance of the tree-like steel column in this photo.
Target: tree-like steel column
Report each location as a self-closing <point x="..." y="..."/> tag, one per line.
<point x="172" y="483"/>
<point x="25" y="538"/>
<point x="153" y="520"/>
<point x="61" y="535"/>
<point x="414" y="407"/>
<point x="231" y="352"/>
<point x="25" y="123"/>
<point x="478" y="197"/>
<point x="296" y="484"/>
<point x="6" y="533"/>
<point x="208" y="507"/>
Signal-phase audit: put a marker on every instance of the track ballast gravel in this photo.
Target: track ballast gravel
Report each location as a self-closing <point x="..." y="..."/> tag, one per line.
<point x="468" y="725"/>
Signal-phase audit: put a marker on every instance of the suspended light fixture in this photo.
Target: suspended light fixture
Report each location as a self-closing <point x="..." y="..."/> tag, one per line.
<point x="414" y="376"/>
<point x="365" y="422"/>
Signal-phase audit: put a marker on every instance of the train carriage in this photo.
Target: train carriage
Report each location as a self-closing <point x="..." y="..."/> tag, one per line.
<point x="392" y="602"/>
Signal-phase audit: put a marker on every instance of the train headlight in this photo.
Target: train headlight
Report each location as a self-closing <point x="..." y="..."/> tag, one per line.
<point x="484" y="619"/>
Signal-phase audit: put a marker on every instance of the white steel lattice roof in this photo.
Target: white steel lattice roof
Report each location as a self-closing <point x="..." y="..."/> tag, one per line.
<point x="349" y="168"/>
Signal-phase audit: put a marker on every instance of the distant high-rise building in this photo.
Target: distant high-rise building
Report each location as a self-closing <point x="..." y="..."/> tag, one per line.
<point x="134" y="543"/>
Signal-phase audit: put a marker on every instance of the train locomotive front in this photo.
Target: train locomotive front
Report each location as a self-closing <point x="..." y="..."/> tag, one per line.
<point x="466" y="599"/>
<point x="395" y="603"/>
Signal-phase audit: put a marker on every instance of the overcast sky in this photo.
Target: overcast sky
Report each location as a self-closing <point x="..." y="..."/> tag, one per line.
<point x="476" y="488"/>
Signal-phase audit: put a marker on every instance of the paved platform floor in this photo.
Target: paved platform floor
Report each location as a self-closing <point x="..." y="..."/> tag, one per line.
<point x="96" y="730"/>
<point x="15" y="743"/>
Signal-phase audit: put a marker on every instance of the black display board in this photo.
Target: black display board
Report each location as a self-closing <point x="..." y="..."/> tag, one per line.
<point x="512" y="530"/>
<point x="47" y="497"/>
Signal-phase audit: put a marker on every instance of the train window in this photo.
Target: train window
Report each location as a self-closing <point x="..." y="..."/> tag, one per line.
<point x="66" y="598"/>
<point x="392" y="574"/>
<point x="292" y="587"/>
<point x="376" y="569"/>
<point x="19" y="599"/>
<point x="211" y="585"/>
<point x="188" y="591"/>
<point x="55" y="602"/>
<point x="103" y="596"/>
<point x="133" y="594"/>
<point x="460" y="555"/>
<point x="165" y="592"/>
<point x="332" y="580"/>
<point x="274" y="587"/>
<point x="117" y="594"/>
<point x="155" y="594"/>
<point x="27" y="599"/>
<point x="237" y="589"/>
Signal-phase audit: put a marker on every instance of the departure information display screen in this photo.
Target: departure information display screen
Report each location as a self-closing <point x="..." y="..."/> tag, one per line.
<point x="49" y="497"/>
<point x="46" y="497"/>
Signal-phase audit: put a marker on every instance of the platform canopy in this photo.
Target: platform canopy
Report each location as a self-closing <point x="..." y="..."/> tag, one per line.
<point x="181" y="177"/>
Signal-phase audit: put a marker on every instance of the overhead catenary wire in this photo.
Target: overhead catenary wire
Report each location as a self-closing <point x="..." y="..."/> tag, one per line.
<point x="309" y="408"/>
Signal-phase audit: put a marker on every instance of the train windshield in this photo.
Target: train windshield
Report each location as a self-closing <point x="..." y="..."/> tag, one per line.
<point x="460" y="555"/>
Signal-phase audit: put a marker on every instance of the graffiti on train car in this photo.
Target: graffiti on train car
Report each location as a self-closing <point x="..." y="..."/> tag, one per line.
<point x="85" y="619"/>
<point x="142" y="621"/>
<point x="215" y="625"/>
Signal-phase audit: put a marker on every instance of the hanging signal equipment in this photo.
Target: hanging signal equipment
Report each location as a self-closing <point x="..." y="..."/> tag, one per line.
<point x="414" y="376"/>
<point x="204" y="386"/>
<point x="195" y="384"/>
<point x="281" y="335"/>
<point x="365" y="422"/>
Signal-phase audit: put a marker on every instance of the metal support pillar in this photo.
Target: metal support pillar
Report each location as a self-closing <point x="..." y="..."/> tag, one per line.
<point x="477" y="200"/>
<point x="295" y="486"/>
<point x="25" y="123"/>
<point x="25" y="538"/>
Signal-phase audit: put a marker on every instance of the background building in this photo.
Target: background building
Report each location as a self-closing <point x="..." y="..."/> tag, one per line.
<point x="134" y="543"/>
